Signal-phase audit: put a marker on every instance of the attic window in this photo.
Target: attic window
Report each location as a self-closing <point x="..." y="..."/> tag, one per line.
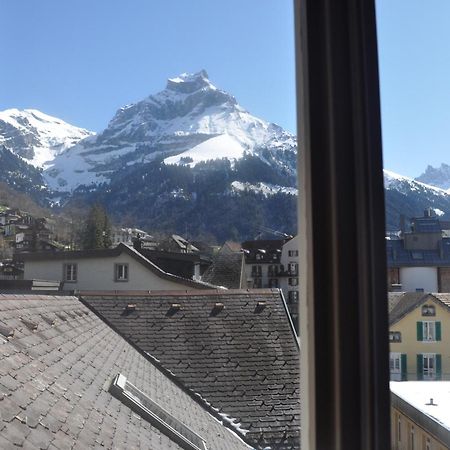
<point x="428" y="310"/>
<point x="157" y="416"/>
<point x="121" y="272"/>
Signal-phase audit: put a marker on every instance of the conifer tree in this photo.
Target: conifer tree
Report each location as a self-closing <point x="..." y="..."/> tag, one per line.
<point x="97" y="229"/>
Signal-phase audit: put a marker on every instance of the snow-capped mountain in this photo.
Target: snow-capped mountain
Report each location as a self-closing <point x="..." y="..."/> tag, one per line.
<point x="37" y="137"/>
<point x="190" y="121"/>
<point x="436" y="176"/>
<point x="403" y="184"/>
<point x="409" y="197"/>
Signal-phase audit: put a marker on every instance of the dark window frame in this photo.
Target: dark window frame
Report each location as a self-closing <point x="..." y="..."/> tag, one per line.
<point x="343" y="305"/>
<point x="65" y="278"/>
<point x="116" y="275"/>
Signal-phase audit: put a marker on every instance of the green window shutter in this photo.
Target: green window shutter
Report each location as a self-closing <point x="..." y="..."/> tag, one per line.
<point x="438" y="367"/>
<point x="419" y="331"/>
<point x="438" y="331"/>
<point x="419" y="367"/>
<point x="404" y="367"/>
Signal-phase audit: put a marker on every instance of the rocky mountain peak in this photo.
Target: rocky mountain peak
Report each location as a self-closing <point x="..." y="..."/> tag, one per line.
<point x="436" y="176"/>
<point x="187" y="83"/>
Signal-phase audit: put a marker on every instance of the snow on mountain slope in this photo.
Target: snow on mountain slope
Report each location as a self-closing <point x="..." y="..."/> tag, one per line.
<point x="222" y="146"/>
<point x="263" y="188"/>
<point x="394" y="181"/>
<point x="37" y="137"/>
<point x="189" y="119"/>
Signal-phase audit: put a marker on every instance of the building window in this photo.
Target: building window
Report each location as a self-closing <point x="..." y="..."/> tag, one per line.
<point x="399" y="429"/>
<point x="121" y="272"/>
<point x="257" y="283"/>
<point x="429" y="331"/>
<point x="428" y="310"/>
<point x="293" y="268"/>
<point x="394" y="362"/>
<point x="293" y="297"/>
<point x="256" y="271"/>
<point x="429" y="366"/>
<point x="273" y="282"/>
<point x="427" y="444"/>
<point x="395" y="336"/>
<point x="293" y="281"/>
<point x="70" y="273"/>
<point x="293" y="253"/>
<point x="412" y="438"/>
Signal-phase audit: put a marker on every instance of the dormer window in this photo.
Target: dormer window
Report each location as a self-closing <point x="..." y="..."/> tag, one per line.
<point x="428" y="310"/>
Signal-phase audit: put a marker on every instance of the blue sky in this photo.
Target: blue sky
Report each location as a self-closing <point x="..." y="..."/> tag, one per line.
<point x="83" y="59"/>
<point x="414" y="52"/>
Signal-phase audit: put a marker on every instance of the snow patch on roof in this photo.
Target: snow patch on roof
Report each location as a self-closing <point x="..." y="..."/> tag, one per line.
<point x="419" y="393"/>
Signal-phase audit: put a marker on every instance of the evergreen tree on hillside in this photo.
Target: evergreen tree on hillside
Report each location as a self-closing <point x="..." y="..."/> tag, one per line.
<point x="97" y="229"/>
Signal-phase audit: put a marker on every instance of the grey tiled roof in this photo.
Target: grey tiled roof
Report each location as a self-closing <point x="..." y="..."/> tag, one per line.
<point x="393" y="299"/>
<point x="234" y="348"/>
<point x="226" y="270"/>
<point x="55" y="372"/>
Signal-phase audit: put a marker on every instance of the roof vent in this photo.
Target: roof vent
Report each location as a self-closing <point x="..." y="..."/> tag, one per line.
<point x="48" y="320"/>
<point x="174" y="308"/>
<point x="431" y="403"/>
<point x="217" y="308"/>
<point x="30" y="325"/>
<point x="130" y="307"/>
<point x="61" y="317"/>
<point x="6" y="331"/>
<point x="260" y="307"/>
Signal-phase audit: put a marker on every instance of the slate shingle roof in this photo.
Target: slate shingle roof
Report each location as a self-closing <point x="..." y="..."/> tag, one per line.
<point x="235" y="348"/>
<point x="55" y="372"/>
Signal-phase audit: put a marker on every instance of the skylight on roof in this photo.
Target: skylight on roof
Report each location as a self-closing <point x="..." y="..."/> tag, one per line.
<point x="143" y="405"/>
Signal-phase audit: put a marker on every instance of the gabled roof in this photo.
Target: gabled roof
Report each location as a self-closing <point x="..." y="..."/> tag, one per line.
<point x="225" y="270"/>
<point x="408" y="301"/>
<point x="236" y="349"/>
<point x="109" y="253"/>
<point x="57" y="361"/>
